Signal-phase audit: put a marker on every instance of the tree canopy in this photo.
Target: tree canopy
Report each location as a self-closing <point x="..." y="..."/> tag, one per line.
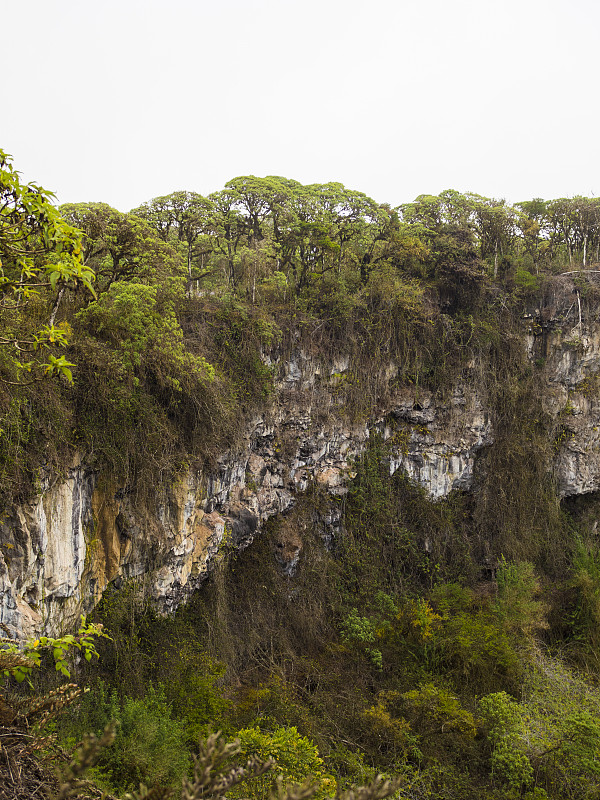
<point x="41" y="255"/>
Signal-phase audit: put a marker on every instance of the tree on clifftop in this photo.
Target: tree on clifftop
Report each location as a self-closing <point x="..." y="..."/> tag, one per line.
<point x="40" y="257"/>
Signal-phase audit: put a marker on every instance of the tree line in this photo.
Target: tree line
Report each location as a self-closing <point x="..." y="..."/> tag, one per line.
<point x="257" y="227"/>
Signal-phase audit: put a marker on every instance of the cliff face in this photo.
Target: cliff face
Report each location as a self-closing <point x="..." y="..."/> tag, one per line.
<point x="571" y="359"/>
<point x="59" y="553"/>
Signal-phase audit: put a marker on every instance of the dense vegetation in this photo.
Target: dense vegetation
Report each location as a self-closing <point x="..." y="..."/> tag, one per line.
<point x="190" y="291"/>
<point x="469" y="666"/>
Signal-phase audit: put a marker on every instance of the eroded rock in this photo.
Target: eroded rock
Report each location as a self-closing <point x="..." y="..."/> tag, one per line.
<point x="59" y="553"/>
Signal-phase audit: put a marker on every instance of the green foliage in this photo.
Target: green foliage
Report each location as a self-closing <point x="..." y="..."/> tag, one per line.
<point x="140" y="323"/>
<point x="35" y="429"/>
<point x="552" y="735"/>
<point x="437" y="653"/>
<point x="518" y="606"/>
<point x="361" y="631"/>
<point x="526" y="282"/>
<point x="581" y="743"/>
<point x="518" y="507"/>
<point x="505" y="720"/>
<point x="585" y="612"/>
<point x="358" y="629"/>
<point x="376" y="649"/>
<point x="195" y="690"/>
<point x="84" y="641"/>
<point x="295" y="758"/>
<point x="149" y="745"/>
<point x="147" y="649"/>
<point x="40" y="255"/>
<point x="474" y="646"/>
<point x="388" y="733"/>
<point x="563" y="721"/>
<point x="433" y="710"/>
<point x="240" y="335"/>
<point x="71" y="778"/>
<point x="148" y="403"/>
<point x="275" y="286"/>
<point x="121" y="247"/>
<point x="397" y="536"/>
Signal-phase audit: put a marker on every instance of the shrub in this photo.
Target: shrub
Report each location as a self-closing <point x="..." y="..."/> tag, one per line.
<point x="585" y="616"/>
<point x="139" y="322"/>
<point x="505" y="720"/>
<point x="386" y="732"/>
<point x="295" y="758"/>
<point x="517" y="607"/>
<point x="149" y="742"/>
<point x="435" y="710"/>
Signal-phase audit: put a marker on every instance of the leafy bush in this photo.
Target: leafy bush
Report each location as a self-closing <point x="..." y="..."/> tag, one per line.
<point x="585" y="614"/>
<point x="474" y="647"/>
<point x="388" y="733"/>
<point x="140" y="323"/>
<point x="149" y="745"/>
<point x="505" y="720"/>
<point x="295" y="758"/>
<point x="552" y="734"/>
<point x="434" y="710"/>
<point x="526" y="282"/>
<point x="518" y="606"/>
<point x="361" y="631"/>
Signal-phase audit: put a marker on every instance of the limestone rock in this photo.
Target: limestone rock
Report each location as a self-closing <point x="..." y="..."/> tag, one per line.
<point x="60" y="552"/>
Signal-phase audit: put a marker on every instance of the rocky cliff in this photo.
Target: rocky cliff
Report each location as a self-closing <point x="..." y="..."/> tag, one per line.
<point x="82" y="532"/>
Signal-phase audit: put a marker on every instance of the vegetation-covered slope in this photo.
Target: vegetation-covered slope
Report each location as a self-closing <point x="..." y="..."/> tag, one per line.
<point x="454" y="643"/>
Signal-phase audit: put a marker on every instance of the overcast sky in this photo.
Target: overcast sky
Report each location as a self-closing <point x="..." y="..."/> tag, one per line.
<point x="121" y="101"/>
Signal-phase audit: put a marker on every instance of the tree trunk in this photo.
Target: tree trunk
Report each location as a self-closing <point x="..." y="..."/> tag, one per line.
<point x="56" y="305"/>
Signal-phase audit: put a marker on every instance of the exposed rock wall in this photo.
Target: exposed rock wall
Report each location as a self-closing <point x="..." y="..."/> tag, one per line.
<point x="570" y="360"/>
<point x="58" y="554"/>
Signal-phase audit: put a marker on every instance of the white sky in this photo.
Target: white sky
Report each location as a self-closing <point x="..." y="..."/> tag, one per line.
<point x="123" y="100"/>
